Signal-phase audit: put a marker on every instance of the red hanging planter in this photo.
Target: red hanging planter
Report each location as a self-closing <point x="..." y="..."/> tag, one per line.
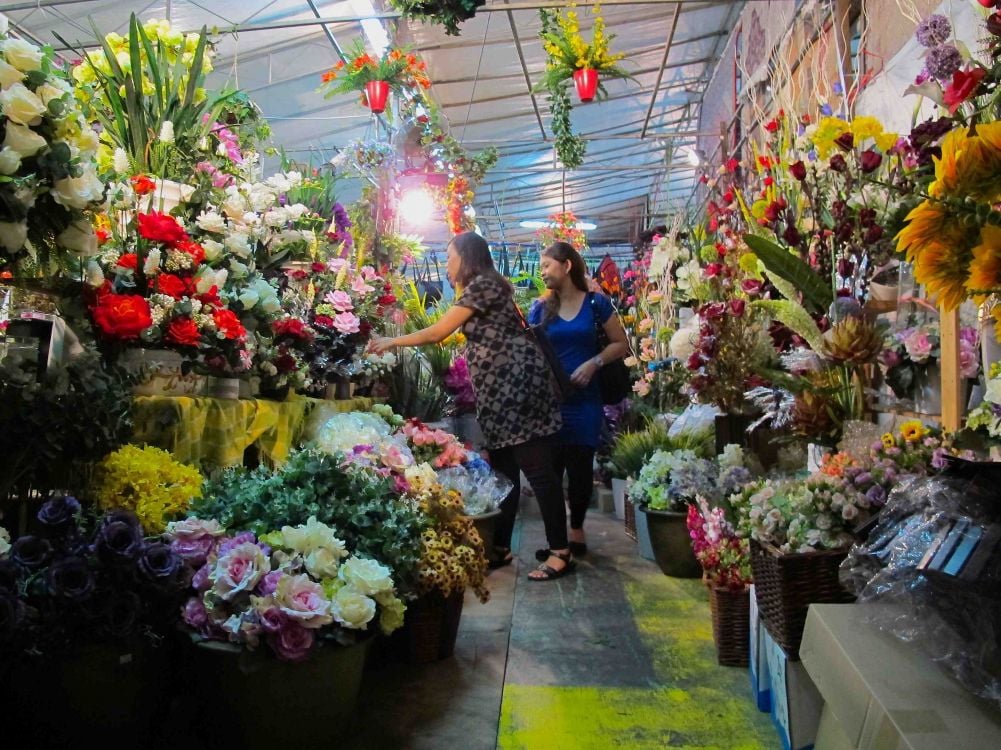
<point x="376" y="93"/>
<point x="586" y="81"/>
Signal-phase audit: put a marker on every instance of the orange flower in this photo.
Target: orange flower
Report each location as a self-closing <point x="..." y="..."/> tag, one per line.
<point x="328" y="76"/>
<point x="395" y="55"/>
<point x="339" y="65"/>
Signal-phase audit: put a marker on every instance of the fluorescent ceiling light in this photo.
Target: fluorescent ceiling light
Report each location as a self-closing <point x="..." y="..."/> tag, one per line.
<point x="534" y="224"/>
<point x="374" y="31"/>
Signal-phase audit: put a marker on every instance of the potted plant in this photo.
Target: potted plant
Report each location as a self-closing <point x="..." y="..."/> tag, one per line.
<point x="281" y="619"/>
<point x="397" y="70"/>
<point x="446" y="13"/>
<point x="86" y="601"/>
<point x="726" y="569"/>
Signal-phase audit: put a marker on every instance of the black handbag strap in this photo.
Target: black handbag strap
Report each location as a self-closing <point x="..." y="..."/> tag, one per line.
<point x="599" y="330"/>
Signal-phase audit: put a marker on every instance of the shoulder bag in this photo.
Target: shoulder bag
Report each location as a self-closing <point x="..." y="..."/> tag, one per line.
<point x="564" y="387"/>
<point x="614" y="379"/>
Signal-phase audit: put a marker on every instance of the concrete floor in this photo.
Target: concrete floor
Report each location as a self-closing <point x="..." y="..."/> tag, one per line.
<point x="616" y="655"/>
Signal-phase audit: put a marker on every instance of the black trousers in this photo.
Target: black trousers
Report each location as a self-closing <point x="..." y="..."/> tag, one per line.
<point x="578" y="463"/>
<point x="535" y="458"/>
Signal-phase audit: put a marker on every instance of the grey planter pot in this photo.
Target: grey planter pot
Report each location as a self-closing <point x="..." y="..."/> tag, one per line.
<point x="672" y="547"/>
<point x="645" y="548"/>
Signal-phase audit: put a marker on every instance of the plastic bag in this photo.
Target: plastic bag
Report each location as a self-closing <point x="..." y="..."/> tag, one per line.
<point x="695" y="418"/>
<point x="932" y="560"/>
<point x="482" y="488"/>
<point x="341" y="432"/>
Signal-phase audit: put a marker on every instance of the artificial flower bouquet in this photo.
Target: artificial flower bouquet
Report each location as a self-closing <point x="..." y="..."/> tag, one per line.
<point x="910" y="350"/>
<point x="460" y="386"/>
<point x="84" y="580"/>
<point x="148" y="482"/>
<point x="918" y="448"/>
<point x="48" y="162"/>
<point x="671" y="480"/>
<point x="156" y="290"/>
<point x="282" y="359"/>
<point x="567" y="51"/>
<point x="291" y="589"/>
<point x="438" y="448"/>
<point x="562" y="227"/>
<point x="725" y="557"/>
<point x="397" y="67"/>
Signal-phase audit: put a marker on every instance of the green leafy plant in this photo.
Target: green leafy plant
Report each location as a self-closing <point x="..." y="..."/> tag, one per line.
<point x="633" y="449"/>
<point x="362" y="507"/>
<point x="446" y="13"/>
<point x="816" y="291"/>
<point x="414" y="389"/>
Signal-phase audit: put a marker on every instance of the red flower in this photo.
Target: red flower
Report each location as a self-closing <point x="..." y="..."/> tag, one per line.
<point x="284" y="363"/>
<point x="211" y="297"/>
<point x="772" y="126"/>
<point x="728" y="196"/>
<point x="175" y="286"/>
<point x="731" y="165"/>
<point x="103" y="235"/>
<point x="774" y="209"/>
<point x="229" y="324"/>
<point x="846" y="140"/>
<point x="128" y="260"/>
<point x="196" y="251"/>
<point x="121" y="316"/>
<point x="184" y="332"/>
<point x="142" y="184"/>
<point x="318" y="267"/>
<point x="769" y="182"/>
<point x="712" y="310"/>
<point x="870" y="160"/>
<point x="364" y="329"/>
<point x="838" y="163"/>
<point x="323" y="320"/>
<point x="294" y="328"/>
<point x="765" y="162"/>
<point x="751" y="286"/>
<point x="160" y="228"/>
<point x="963" y="85"/>
<point x="387" y="299"/>
<point x="798" y="170"/>
<point x="737" y="307"/>
<point x="703" y="179"/>
<point x="714" y="269"/>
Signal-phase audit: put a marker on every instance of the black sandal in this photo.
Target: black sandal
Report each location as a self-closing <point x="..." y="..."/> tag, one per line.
<point x="551" y="574"/>
<point x="503" y="557"/>
<point x="576" y="549"/>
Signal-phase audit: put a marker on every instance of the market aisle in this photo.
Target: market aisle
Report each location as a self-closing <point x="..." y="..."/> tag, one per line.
<point x="619" y="655"/>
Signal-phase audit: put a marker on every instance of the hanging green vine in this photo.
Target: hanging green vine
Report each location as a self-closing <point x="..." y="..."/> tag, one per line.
<point x="447" y="13"/>
<point x="569" y="146"/>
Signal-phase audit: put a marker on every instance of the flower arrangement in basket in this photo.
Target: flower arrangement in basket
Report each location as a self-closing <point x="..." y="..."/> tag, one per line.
<point x="397" y="70"/>
<point x="48" y="163"/>
<point x="81" y="580"/>
<point x="562" y="227"/>
<point x="291" y="589"/>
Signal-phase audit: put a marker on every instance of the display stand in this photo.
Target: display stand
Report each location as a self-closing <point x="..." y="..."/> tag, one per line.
<point x="952" y="402"/>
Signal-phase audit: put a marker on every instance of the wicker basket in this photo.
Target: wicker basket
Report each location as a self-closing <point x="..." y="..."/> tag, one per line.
<point x="731" y="612"/>
<point x="630" y="519"/>
<point x="786" y="584"/>
<point x="430" y="627"/>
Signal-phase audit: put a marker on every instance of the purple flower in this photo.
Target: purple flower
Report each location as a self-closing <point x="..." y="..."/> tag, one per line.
<point x="159" y="562"/>
<point x="876" y="495"/>
<point x="826" y="110"/>
<point x="269" y="583"/>
<point x="118" y="541"/>
<point x="938" y="458"/>
<point x="201" y="580"/>
<point x="291" y="643"/>
<point x="933" y="31"/>
<point x="30" y="552"/>
<point x="942" y="61"/>
<point x="235" y="541"/>
<point x="922" y="76"/>
<point x="71" y="578"/>
<point x="863" y="479"/>
<point x="58" y="512"/>
<point x="273" y="620"/>
<point x="837" y="88"/>
<point x="194" y="614"/>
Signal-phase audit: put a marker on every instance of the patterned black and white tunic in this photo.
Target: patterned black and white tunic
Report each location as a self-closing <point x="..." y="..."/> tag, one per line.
<point x="515" y="395"/>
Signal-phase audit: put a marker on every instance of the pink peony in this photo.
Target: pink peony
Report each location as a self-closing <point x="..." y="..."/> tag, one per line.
<point x="340" y="301"/>
<point x="239" y="570"/>
<point x="301" y="599"/>
<point x="292" y="643"/>
<point x="347" y="322"/>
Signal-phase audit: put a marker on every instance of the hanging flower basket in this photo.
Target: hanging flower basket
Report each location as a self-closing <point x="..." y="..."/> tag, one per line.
<point x="377" y="94"/>
<point x="586" y="82"/>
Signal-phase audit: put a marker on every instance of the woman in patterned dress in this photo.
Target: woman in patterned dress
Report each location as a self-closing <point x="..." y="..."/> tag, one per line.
<point x="516" y="404"/>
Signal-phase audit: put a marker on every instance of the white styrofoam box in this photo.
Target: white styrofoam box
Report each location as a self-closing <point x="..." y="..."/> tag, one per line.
<point x="758" y="664"/>
<point x="796" y="702"/>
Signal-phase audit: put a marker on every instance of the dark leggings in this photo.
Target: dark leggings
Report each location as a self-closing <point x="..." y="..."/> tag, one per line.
<point x="535" y="458"/>
<point x="578" y="462"/>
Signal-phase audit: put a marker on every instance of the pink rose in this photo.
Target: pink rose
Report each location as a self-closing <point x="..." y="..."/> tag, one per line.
<point x="340" y="301"/>
<point x="272" y="620"/>
<point x="368" y="273"/>
<point x="346" y="322"/>
<point x="917" y="345"/>
<point x="292" y="643"/>
<point x="969" y="359"/>
<point x="193" y="538"/>
<point x="239" y="570"/>
<point x="336" y="264"/>
<point x="194" y="613"/>
<point x="302" y="600"/>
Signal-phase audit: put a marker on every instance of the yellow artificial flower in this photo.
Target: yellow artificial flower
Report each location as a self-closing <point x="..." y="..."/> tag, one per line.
<point x="985" y="269"/>
<point x="912" y="431"/>
<point x="886" y="141"/>
<point x="941" y="249"/>
<point x="828" y="129"/>
<point x="888" y="440"/>
<point x="865" y="126"/>
<point x="969" y="165"/>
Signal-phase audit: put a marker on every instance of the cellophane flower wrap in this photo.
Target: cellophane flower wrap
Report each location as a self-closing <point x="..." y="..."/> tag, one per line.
<point x="48" y="164"/>
<point x="288" y="591"/>
<point x="80" y="580"/>
<point x="439" y="448"/>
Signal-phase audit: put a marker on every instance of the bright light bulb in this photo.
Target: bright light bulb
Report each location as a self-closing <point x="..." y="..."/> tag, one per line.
<point x="416" y="206"/>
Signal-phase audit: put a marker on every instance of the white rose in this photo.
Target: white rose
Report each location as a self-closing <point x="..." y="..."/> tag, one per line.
<point x="210" y="221"/>
<point x="391" y="616"/>
<point x="94" y="274"/>
<point x="13" y="235"/>
<point x="367" y="576"/>
<point x="121" y="161"/>
<point x="47" y="92"/>
<point x="152" y="263"/>
<point x="268" y="297"/>
<point x="9" y="75"/>
<point x="207" y="278"/>
<point x="248" y="298"/>
<point x="322" y="563"/>
<point x="21" y="105"/>
<point x="234" y="206"/>
<point x="10" y="160"/>
<point x="238" y="244"/>
<point x="212" y="249"/>
<point x="296" y="211"/>
<point x="276" y="217"/>
<point x="23" y="140"/>
<point x="166" y="132"/>
<point x="87" y="141"/>
<point x="79" y="192"/>
<point x="351" y="609"/>
<point x="79" y="237"/>
<point x="21" y="54"/>
<point x="238" y="269"/>
<point x="261" y="199"/>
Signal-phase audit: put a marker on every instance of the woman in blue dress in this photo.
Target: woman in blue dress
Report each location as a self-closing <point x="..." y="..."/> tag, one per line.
<point x="571" y="314"/>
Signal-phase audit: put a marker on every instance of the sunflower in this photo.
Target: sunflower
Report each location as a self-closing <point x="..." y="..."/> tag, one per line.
<point x="913" y="430"/>
<point x="943" y="268"/>
<point x="985" y="270"/>
<point x="888" y="440"/>
<point x="969" y="165"/>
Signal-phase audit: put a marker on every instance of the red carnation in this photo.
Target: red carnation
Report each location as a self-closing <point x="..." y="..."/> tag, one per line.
<point x="184" y="332"/>
<point x="387" y="299"/>
<point x="323" y="320"/>
<point x="196" y="251"/>
<point x="229" y="324"/>
<point x="160" y="228"/>
<point x="291" y="327"/>
<point x="714" y="269"/>
<point x="129" y="261"/>
<point x="121" y="316"/>
<point x="318" y="267"/>
<point x="175" y="286"/>
<point x="142" y="184"/>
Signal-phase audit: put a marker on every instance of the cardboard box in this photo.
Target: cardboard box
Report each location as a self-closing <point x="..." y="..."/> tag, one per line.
<point x="757" y="663"/>
<point x="883" y="694"/>
<point x="796" y="703"/>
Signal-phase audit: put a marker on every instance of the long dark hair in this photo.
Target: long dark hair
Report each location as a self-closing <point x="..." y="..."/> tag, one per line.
<point x="563" y="252"/>
<point x="474" y="259"/>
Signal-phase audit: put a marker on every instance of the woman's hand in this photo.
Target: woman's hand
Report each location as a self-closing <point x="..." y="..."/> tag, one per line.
<point x="381" y="344"/>
<point x="583" y="374"/>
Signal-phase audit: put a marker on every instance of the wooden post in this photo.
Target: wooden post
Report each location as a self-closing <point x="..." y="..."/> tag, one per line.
<point x="952" y="412"/>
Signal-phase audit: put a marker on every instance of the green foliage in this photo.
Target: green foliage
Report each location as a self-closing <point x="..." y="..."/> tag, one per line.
<point x="816" y="291"/>
<point x="570" y="148"/>
<point x="50" y="430"/>
<point x="415" y="391"/>
<point x="792" y="315"/>
<point x="633" y="449"/>
<point x="367" y="514"/>
<point x="446" y="13"/>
